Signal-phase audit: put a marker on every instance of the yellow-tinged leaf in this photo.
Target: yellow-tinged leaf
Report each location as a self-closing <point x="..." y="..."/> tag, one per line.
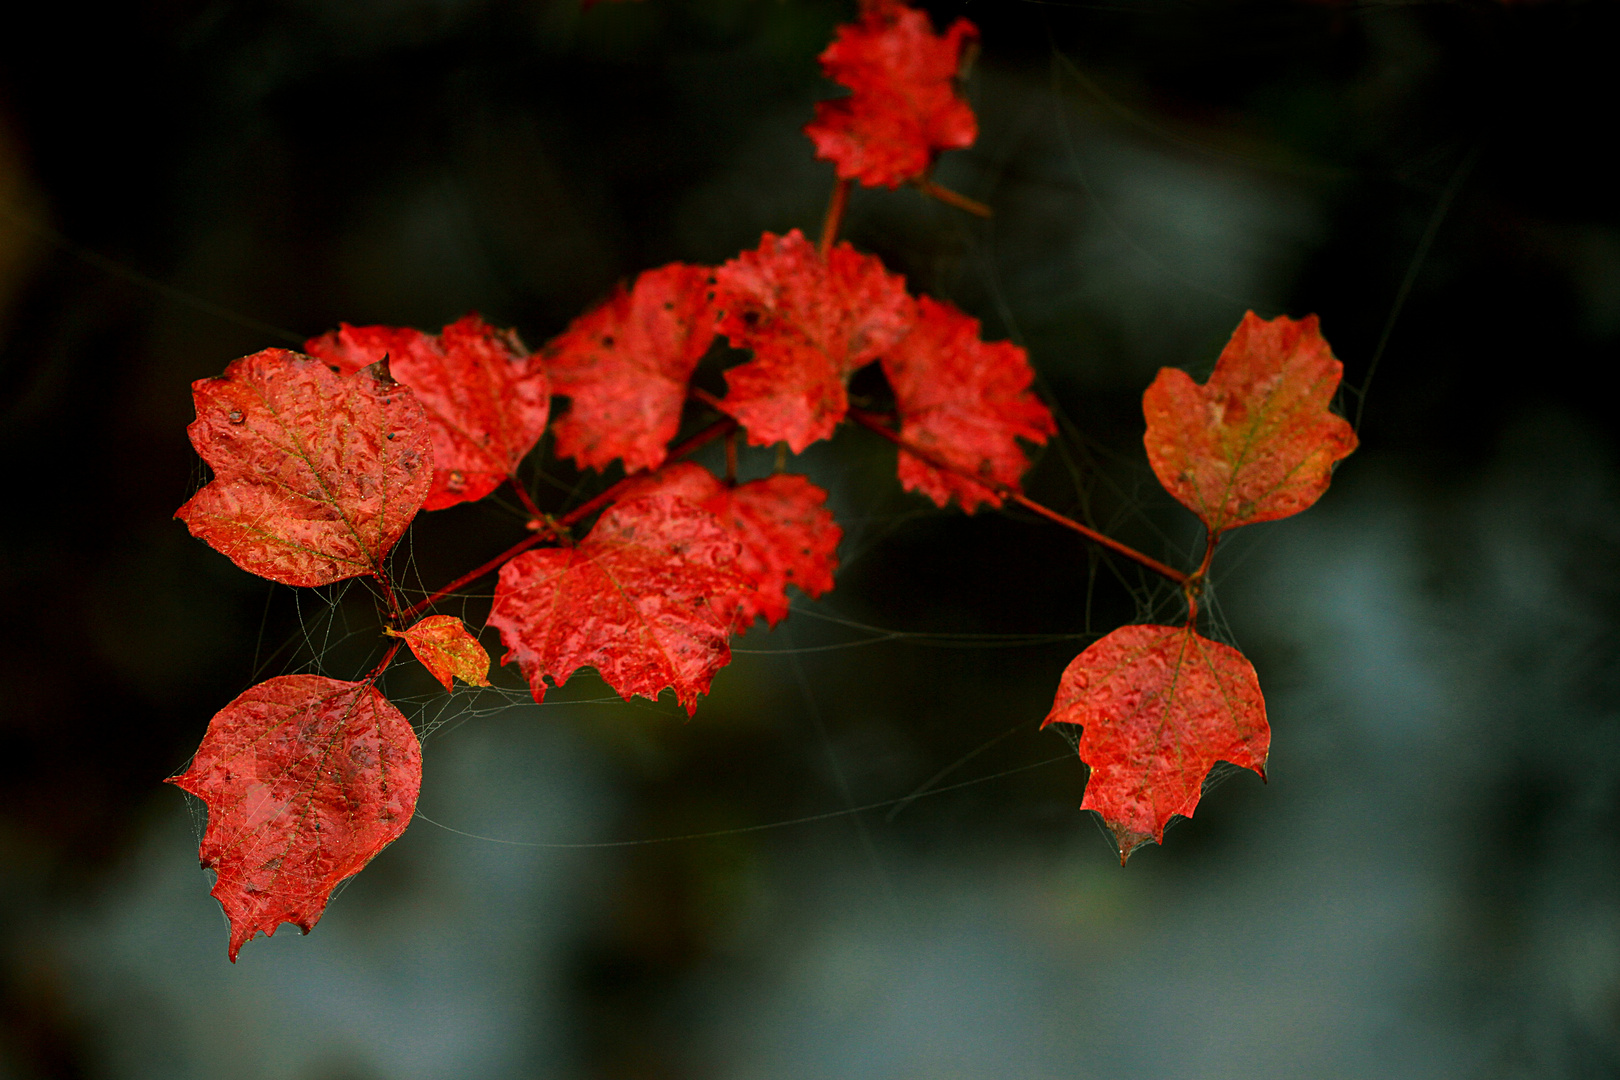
<point x="447" y="650"/>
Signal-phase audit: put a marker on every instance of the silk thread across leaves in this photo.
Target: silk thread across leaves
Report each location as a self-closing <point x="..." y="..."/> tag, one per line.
<point x="321" y="462"/>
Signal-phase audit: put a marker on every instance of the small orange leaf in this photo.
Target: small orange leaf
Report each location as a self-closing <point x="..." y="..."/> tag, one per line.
<point x="446" y="649"/>
<point x="1160" y="705"/>
<point x="1256" y="442"/>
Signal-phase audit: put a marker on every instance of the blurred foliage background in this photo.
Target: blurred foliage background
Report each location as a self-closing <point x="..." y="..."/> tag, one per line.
<point x="1430" y="884"/>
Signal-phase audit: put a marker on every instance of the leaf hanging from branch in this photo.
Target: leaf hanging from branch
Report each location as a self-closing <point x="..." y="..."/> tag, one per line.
<point x="641" y="599"/>
<point x="447" y="650"/>
<point x="904" y="107"/>
<point x="486" y="398"/>
<point x="967" y="401"/>
<point x="786" y="533"/>
<point x="306" y="780"/>
<point x="1160" y="705"/>
<point x="1257" y="441"/>
<point x="316" y="474"/>
<point x="626" y="364"/>
<point x="811" y="323"/>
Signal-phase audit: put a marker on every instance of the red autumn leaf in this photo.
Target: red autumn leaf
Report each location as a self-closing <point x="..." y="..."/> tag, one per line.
<point x="788" y="536"/>
<point x="641" y="599"/>
<point x="446" y="649"/>
<point x="486" y="397"/>
<point x="811" y="323"/>
<point x="316" y="474"/>
<point x="1256" y="442"/>
<point x="306" y="779"/>
<point x="625" y="365"/>
<point x="1160" y="705"/>
<point x="905" y="107"/>
<point x="966" y="400"/>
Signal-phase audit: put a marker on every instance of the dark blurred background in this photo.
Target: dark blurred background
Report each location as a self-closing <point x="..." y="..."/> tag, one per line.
<point x="1428" y="886"/>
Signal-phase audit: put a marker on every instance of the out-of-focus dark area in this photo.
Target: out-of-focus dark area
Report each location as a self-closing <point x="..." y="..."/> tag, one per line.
<point x="1428" y="886"/>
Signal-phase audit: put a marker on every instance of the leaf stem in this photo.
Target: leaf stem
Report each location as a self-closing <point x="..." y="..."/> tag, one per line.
<point x="388" y="594"/>
<point x="523" y="497"/>
<point x="388" y="658"/>
<point x="1193" y="587"/>
<point x="835" y="216"/>
<point x="555" y="527"/>
<point x="473" y="575"/>
<point x="697" y="393"/>
<point x="876" y="423"/>
<point x="953" y="198"/>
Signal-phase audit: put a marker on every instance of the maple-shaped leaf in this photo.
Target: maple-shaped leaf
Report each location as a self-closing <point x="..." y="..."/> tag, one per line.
<point x="486" y="398"/>
<point x="1160" y="705"/>
<point x="968" y="401"/>
<point x="810" y="323"/>
<point x="1256" y="442"/>
<point x="316" y="474"/>
<point x="306" y="779"/>
<point x="447" y="650"/>
<point x="642" y="599"/>
<point x="905" y="107"/>
<point x="787" y="534"/>
<point x="626" y="364"/>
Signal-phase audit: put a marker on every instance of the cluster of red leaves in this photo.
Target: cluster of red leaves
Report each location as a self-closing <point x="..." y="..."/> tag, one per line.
<point x="322" y="460"/>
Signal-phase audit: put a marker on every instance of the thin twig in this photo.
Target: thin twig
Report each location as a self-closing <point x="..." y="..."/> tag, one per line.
<point x="835" y="216"/>
<point x="523" y="497"/>
<point x="875" y="423"/>
<point x="555" y="528"/>
<point x="388" y="658"/>
<point x="1193" y="587"/>
<point x="954" y="198"/>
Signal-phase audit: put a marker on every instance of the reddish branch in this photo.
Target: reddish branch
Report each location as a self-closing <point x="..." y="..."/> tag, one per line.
<point x="1193" y="587"/>
<point x="835" y="216"/>
<point x="876" y="423"/>
<point x="954" y="198"/>
<point x="523" y="497"/>
<point x="556" y="528"/>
